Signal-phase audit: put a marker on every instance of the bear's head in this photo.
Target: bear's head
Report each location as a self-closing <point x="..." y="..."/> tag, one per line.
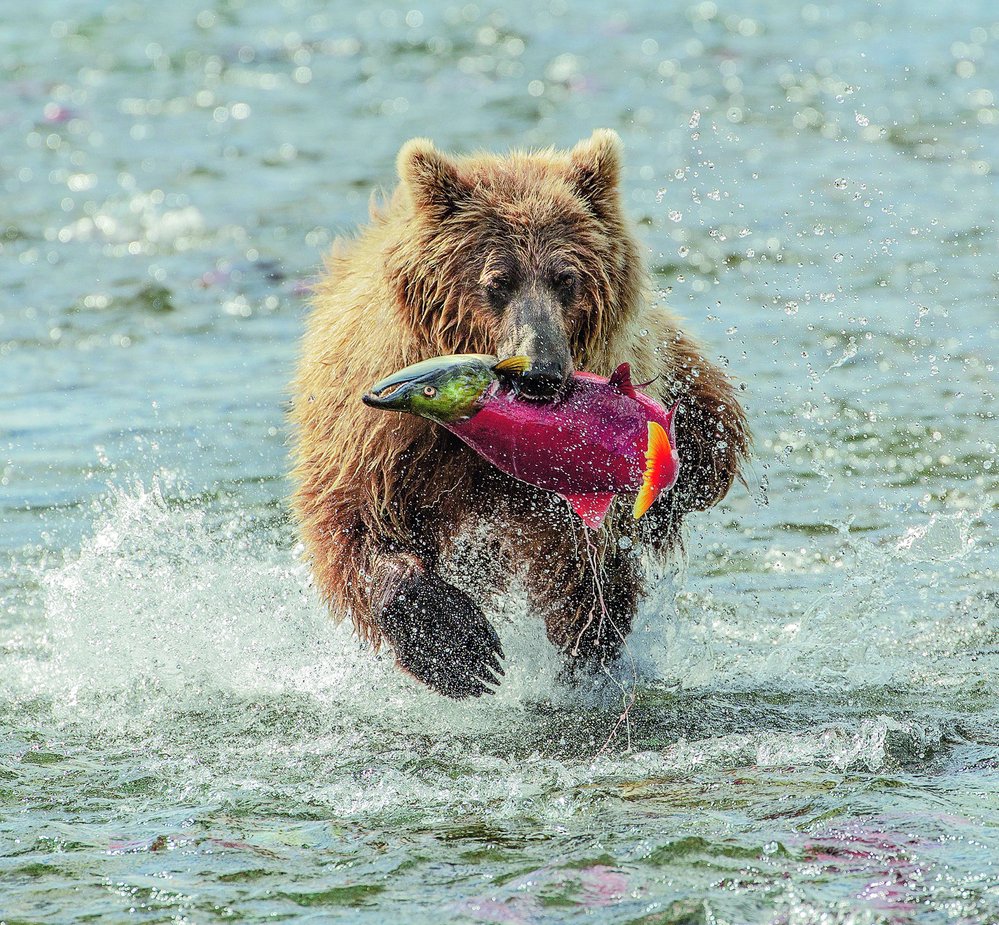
<point x="523" y="254"/>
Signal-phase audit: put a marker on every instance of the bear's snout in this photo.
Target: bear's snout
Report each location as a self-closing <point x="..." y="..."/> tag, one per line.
<point x="535" y="329"/>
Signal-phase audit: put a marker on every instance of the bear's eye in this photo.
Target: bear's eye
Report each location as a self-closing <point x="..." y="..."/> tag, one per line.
<point x="497" y="290"/>
<point x="429" y="391"/>
<point x="498" y="285"/>
<point x="565" y="284"/>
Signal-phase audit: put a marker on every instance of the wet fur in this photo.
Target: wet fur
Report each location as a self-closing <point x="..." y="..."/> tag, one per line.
<point x="381" y="498"/>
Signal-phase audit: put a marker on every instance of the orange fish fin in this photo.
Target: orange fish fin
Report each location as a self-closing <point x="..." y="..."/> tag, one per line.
<point x="658" y="469"/>
<point x="591" y="508"/>
<point x="621" y="380"/>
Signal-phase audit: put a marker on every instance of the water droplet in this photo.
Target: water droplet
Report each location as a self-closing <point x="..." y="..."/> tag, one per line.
<point x="862" y="120"/>
<point x="683" y="251"/>
<point x="791" y="308"/>
<point x="695" y="119"/>
<point x="838" y="258"/>
<point x="675" y="216"/>
<point x="840" y="183"/>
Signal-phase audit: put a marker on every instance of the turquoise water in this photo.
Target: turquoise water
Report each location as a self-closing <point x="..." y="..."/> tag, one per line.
<point x="184" y="737"/>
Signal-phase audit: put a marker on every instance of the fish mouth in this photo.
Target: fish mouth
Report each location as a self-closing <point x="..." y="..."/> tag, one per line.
<point x="385" y="397"/>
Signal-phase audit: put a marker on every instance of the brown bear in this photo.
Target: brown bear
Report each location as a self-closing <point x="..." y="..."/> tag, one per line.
<point x="531" y="254"/>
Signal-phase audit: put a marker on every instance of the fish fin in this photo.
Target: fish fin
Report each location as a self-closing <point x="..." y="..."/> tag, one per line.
<point x="659" y="468"/>
<point x="592" y="508"/>
<point x="511" y="365"/>
<point x="621" y="380"/>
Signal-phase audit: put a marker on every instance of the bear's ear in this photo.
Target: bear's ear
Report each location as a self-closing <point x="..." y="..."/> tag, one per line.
<point x="431" y="177"/>
<point x="596" y="170"/>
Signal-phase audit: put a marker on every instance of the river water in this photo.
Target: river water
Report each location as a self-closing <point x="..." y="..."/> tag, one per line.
<point x="184" y="737"/>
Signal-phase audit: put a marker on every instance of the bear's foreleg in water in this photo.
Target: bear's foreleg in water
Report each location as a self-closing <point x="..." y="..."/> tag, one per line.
<point x="588" y="601"/>
<point x="438" y="634"/>
<point x="583" y="584"/>
<point x="379" y="535"/>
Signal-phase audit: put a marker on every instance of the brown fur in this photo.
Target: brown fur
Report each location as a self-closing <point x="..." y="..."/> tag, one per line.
<point x="381" y="496"/>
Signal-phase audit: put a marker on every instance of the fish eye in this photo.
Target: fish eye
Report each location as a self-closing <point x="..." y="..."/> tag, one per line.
<point x="429" y="391"/>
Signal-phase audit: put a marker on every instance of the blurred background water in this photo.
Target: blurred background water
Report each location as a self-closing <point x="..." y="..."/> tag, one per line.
<point x="183" y="735"/>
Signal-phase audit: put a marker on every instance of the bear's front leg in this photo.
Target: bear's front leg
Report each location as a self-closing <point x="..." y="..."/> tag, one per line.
<point x="439" y="635"/>
<point x="712" y="439"/>
<point x="588" y="594"/>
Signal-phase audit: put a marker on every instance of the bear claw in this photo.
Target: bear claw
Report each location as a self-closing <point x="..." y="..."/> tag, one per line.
<point x="442" y="638"/>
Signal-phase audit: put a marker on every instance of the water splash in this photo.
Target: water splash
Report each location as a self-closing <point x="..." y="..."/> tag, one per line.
<point x="167" y="610"/>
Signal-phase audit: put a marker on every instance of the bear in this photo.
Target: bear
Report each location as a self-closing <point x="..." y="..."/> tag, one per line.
<point x="528" y="253"/>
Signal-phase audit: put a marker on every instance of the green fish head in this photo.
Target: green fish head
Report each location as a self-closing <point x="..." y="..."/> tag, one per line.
<point x="443" y="389"/>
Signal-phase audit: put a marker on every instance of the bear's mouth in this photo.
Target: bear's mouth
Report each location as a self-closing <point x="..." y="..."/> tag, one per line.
<point x="541" y="389"/>
<point x="538" y="399"/>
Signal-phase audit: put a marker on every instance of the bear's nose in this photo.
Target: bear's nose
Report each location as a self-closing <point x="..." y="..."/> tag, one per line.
<point x="542" y="381"/>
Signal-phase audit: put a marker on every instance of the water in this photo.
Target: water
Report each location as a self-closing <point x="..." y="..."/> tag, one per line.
<point x="186" y="738"/>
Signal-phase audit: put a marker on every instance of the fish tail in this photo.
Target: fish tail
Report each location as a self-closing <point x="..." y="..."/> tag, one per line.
<point x="658" y="469"/>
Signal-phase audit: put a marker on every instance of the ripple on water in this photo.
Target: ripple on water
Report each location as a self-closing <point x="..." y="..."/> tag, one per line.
<point x="185" y="737"/>
<point x="182" y="699"/>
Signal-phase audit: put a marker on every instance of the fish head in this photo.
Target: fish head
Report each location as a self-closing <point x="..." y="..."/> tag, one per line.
<point x="445" y="389"/>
